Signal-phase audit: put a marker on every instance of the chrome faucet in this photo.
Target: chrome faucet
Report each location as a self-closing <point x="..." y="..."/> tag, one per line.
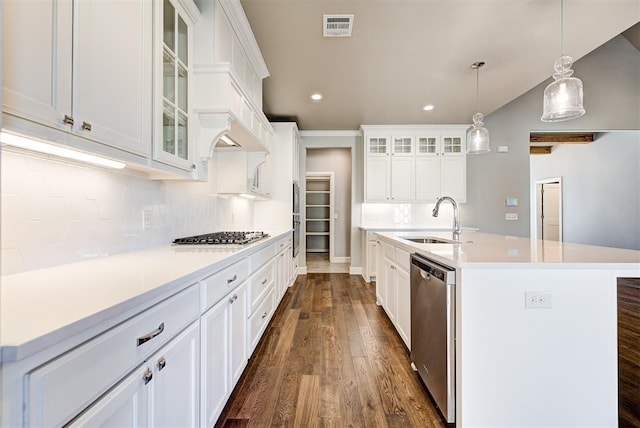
<point x="456" y="217"/>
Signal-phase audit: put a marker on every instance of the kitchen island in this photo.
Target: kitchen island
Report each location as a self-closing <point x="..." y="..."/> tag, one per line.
<point x="528" y="366"/>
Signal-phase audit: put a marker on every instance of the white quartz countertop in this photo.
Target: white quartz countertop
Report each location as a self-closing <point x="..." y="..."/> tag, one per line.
<point x="42" y="307"/>
<point x="476" y="249"/>
<point x="409" y="228"/>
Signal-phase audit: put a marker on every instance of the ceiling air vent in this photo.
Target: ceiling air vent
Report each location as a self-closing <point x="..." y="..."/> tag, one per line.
<point x="337" y="25"/>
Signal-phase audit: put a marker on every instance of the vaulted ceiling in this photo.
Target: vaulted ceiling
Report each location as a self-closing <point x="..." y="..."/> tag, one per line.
<point x="404" y="54"/>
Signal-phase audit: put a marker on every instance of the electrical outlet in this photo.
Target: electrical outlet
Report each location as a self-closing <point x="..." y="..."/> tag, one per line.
<point x="146" y="218"/>
<point x="537" y="300"/>
<point x="511" y="216"/>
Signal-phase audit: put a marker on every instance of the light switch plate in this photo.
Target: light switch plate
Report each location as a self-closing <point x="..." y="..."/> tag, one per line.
<point x="511" y="202"/>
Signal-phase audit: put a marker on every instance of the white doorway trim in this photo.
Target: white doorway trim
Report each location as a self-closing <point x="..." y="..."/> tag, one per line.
<point x="538" y="200"/>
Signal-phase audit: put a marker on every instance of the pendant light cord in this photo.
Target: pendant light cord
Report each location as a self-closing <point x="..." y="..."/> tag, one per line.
<point x="478" y="89"/>
<point x="562" y="27"/>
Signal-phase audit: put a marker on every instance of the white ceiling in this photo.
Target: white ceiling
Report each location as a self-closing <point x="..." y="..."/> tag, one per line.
<point x="408" y="53"/>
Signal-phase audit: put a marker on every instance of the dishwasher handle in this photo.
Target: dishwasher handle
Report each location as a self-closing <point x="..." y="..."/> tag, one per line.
<point x="429" y="268"/>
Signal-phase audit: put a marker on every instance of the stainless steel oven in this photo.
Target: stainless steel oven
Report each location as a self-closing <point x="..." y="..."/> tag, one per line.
<point x="433" y="330"/>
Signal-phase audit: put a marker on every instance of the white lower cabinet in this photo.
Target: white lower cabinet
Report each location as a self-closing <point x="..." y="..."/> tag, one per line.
<point x="393" y="288"/>
<point x="126" y="406"/>
<point x="173" y="364"/>
<point x="162" y="392"/>
<point x="224" y="356"/>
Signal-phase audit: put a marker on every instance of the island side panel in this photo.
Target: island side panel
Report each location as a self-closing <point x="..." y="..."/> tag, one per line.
<point x="519" y="366"/>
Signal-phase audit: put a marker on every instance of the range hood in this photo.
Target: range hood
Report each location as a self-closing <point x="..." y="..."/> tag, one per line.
<point x="227" y="80"/>
<point x="229" y="113"/>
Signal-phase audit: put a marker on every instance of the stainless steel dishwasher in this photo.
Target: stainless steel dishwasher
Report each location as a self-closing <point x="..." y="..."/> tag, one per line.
<point x="433" y="330"/>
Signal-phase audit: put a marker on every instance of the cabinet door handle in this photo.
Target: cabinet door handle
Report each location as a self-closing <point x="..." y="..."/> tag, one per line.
<point x="86" y="126"/>
<point x="148" y="337"/>
<point x="161" y="363"/>
<point x="233" y="299"/>
<point x="264" y="315"/>
<point x="68" y="120"/>
<point x="230" y="280"/>
<point x="264" y="281"/>
<point x="147" y="376"/>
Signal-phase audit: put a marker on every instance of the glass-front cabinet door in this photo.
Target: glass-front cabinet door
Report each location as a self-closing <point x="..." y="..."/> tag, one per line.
<point x="174" y="40"/>
<point x="378" y="146"/>
<point x="403" y="146"/>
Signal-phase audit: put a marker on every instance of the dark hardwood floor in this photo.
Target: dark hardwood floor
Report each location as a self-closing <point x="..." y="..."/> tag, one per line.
<point x="330" y="358"/>
<point x="629" y="352"/>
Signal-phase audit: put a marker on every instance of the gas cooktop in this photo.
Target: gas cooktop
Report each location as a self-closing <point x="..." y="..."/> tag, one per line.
<point x="221" y="238"/>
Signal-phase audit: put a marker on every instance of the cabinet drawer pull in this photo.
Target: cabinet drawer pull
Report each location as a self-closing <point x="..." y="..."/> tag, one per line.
<point x="86" y="126"/>
<point x="147" y="376"/>
<point x="233" y="299"/>
<point x="264" y="281"/>
<point x="264" y="315"/>
<point x="68" y="120"/>
<point x="230" y="280"/>
<point x="161" y="363"/>
<point x="148" y="337"/>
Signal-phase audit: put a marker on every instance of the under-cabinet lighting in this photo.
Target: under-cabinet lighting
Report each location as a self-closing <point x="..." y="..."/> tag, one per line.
<point x="246" y="195"/>
<point x="316" y="96"/>
<point x="228" y="141"/>
<point x="27" y="143"/>
<point x="428" y="107"/>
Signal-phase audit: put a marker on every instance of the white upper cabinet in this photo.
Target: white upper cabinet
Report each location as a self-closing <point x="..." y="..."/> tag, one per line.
<point x="173" y="81"/>
<point x="416" y="163"/>
<point x="441" y="165"/>
<point x="81" y="67"/>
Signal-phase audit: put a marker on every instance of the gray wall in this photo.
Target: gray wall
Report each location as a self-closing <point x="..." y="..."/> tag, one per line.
<point x="340" y="139"/>
<point x="338" y="161"/>
<point x="601" y="208"/>
<point x="611" y="94"/>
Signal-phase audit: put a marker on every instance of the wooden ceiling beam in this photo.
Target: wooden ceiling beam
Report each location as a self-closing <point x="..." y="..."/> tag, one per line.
<point x="539" y="150"/>
<point x="562" y="137"/>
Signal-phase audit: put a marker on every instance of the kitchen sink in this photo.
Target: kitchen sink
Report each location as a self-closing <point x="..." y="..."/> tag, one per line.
<point x="430" y="240"/>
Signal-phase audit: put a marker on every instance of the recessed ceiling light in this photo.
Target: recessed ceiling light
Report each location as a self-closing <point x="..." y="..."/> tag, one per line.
<point x="428" y="107"/>
<point x="316" y="97"/>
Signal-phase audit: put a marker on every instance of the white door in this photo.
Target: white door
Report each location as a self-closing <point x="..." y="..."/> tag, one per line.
<point x="403" y="318"/>
<point x="548" y="211"/>
<point x="112" y="73"/>
<point x="402" y="178"/>
<point x="427" y="178"/>
<point x="238" y="332"/>
<point x="125" y="406"/>
<point x="453" y="177"/>
<point x="377" y="179"/>
<point x="176" y="381"/>
<point x="216" y="371"/>
<point x="36" y="60"/>
<point x="389" y="282"/>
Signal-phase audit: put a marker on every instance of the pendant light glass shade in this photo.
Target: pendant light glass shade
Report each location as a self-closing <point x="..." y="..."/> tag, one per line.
<point x="563" y="97"/>
<point x="477" y="134"/>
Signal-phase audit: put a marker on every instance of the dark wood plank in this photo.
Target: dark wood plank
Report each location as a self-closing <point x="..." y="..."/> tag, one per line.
<point x="330" y="358"/>
<point x="629" y="352"/>
<point x="562" y="137"/>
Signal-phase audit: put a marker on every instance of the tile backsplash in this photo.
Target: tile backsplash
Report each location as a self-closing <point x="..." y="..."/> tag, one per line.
<point x="56" y="212"/>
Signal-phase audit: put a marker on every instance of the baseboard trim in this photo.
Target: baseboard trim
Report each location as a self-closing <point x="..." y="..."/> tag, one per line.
<point x="302" y="270"/>
<point x="341" y="260"/>
<point x="355" y="271"/>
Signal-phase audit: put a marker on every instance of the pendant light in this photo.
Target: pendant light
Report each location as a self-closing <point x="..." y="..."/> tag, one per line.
<point x="477" y="135"/>
<point x="563" y="97"/>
